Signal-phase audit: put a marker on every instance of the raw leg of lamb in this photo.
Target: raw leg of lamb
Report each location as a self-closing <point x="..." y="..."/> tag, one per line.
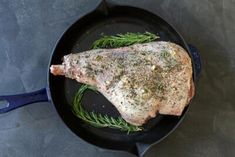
<point x="141" y="80"/>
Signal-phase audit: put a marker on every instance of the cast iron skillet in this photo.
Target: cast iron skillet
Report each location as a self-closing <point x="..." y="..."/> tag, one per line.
<point x="108" y="19"/>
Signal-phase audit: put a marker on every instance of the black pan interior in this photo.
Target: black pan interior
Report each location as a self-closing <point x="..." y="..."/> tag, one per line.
<point x="79" y="37"/>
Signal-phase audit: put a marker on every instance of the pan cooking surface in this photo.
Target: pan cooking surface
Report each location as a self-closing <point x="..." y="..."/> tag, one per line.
<point x="80" y="38"/>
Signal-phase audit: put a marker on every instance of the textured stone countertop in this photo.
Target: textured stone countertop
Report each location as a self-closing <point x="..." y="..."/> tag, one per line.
<point x="28" y="32"/>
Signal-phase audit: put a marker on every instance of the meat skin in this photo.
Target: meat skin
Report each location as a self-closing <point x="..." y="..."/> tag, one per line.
<point x="141" y="80"/>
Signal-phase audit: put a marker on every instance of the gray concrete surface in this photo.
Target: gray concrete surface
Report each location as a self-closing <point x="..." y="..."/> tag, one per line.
<point x="28" y="31"/>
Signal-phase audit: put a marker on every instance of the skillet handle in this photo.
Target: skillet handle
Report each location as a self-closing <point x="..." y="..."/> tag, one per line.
<point x="10" y="102"/>
<point x="104" y="7"/>
<point x="196" y="60"/>
<point x="139" y="149"/>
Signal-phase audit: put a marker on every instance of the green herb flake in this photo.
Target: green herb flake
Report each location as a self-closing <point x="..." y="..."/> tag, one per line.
<point x="120" y="66"/>
<point x="98" y="58"/>
<point x="165" y="54"/>
<point x="160" y="86"/>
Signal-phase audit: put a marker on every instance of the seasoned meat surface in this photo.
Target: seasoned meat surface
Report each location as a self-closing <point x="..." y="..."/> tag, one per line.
<point x="139" y="80"/>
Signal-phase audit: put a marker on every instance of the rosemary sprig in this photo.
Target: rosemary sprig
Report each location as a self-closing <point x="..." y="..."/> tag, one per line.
<point x="98" y="120"/>
<point x="121" y="40"/>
